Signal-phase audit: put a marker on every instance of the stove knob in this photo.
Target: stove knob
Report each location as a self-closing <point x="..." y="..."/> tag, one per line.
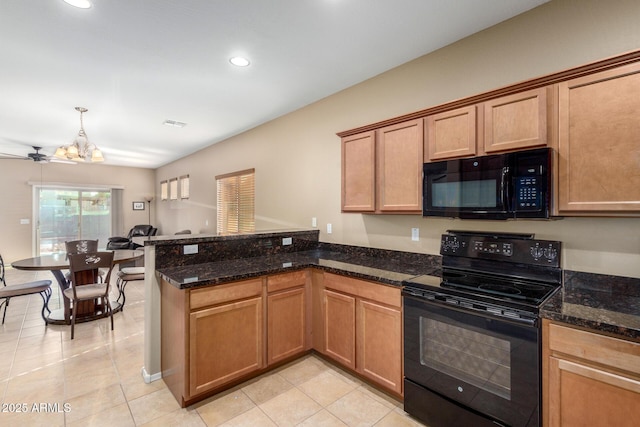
<point x="550" y="254"/>
<point x="537" y="252"/>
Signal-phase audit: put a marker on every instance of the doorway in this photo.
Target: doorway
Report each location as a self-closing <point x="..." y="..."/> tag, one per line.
<point x="64" y="214"/>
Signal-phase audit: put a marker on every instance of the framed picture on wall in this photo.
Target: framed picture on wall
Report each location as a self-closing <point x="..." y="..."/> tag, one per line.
<point x="138" y="206"/>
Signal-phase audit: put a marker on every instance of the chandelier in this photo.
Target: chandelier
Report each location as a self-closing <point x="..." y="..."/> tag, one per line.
<point x="80" y="150"/>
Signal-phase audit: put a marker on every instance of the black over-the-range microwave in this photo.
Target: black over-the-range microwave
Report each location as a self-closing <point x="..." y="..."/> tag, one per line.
<point x="502" y="186"/>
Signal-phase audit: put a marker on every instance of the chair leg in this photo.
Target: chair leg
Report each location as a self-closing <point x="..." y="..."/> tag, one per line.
<point x="73" y="317"/>
<point x="46" y="295"/>
<point x="110" y="311"/>
<point x="6" y="304"/>
<point x="120" y="292"/>
<point x="124" y="296"/>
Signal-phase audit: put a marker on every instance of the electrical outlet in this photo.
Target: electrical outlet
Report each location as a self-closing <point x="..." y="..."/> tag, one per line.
<point x="286" y="241"/>
<point x="314" y="222"/>
<point x="415" y="234"/>
<point x="328" y="228"/>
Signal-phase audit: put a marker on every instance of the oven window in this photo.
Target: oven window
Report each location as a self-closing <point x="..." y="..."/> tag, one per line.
<point x="464" y="194"/>
<point x="476" y="358"/>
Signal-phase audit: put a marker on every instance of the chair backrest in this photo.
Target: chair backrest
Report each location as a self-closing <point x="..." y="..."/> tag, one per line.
<point x="4" y="283"/>
<point x="140" y="230"/>
<point x="85" y="268"/>
<point x="81" y="246"/>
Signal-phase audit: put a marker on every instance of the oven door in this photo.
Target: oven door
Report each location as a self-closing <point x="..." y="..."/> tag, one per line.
<point x="475" y="363"/>
<point x="468" y="188"/>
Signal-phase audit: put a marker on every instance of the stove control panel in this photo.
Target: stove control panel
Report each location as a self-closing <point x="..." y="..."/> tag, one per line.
<point x="502" y="248"/>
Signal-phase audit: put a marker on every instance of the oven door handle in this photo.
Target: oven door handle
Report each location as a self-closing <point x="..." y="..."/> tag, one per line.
<point x="533" y="323"/>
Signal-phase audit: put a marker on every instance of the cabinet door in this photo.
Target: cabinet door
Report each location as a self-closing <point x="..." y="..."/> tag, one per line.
<point x="516" y="121"/>
<point x="451" y="134"/>
<point x="225" y="342"/>
<point x="286" y="325"/>
<point x="400" y="167"/>
<point x="581" y="395"/>
<point x="358" y="173"/>
<point x="340" y="328"/>
<point x="599" y="142"/>
<point x="379" y="344"/>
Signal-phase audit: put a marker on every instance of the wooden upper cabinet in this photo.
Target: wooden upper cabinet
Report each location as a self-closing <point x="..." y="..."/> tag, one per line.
<point x="358" y="172"/>
<point x="516" y="121"/>
<point x="400" y="162"/>
<point x="451" y="134"/>
<point x="599" y="142"/>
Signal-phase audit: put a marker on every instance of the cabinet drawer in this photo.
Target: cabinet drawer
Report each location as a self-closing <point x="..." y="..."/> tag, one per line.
<point x="614" y="352"/>
<point x="218" y="294"/>
<point x="372" y="291"/>
<point x="286" y="281"/>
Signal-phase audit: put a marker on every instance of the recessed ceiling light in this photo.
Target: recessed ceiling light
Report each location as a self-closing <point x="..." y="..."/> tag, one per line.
<point x="82" y="4"/>
<point x="174" y="123"/>
<point x="239" y="61"/>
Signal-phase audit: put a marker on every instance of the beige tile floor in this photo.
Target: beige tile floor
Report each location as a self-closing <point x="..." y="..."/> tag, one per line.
<point x="47" y="379"/>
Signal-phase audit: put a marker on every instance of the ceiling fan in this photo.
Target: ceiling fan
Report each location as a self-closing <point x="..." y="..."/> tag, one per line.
<point x="37" y="157"/>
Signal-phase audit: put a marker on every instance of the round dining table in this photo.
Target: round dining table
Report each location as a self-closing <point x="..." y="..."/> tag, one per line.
<point x="58" y="262"/>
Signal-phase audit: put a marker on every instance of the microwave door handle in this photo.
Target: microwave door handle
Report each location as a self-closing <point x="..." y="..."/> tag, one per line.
<point x="504" y="188"/>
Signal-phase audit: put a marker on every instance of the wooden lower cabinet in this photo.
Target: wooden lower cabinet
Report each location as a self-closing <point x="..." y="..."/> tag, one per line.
<point x="379" y="344"/>
<point x="589" y="379"/>
<point x="363" y="329"/>
<point x="340" y="328"/>
<point x="225" y="342"/>
<point x="211" y="336"/>
<point x="216" y="336"/>
<point x="288" y="331"/>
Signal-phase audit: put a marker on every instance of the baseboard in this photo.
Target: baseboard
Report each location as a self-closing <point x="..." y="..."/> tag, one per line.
<point x="150" y="378"/>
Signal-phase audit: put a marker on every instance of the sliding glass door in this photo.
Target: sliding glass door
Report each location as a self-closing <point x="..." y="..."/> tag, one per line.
<point x="70" y="214"/>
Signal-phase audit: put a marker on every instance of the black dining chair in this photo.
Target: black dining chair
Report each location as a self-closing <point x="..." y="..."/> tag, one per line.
<point x="81" y="247"/>
<point x="42" y="287"/>
<point x="86" y="284"/>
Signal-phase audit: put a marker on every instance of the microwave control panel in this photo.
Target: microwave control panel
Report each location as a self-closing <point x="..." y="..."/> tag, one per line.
<point x="529" y="193"/>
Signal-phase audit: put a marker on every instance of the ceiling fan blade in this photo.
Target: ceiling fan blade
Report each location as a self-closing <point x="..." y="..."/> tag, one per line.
<point x="8" y="156"/>
<point x="52" y="159"/>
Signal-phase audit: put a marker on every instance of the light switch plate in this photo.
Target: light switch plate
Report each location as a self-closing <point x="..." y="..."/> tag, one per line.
<point x="190" y="249"/>
<point x="415" y="234"/>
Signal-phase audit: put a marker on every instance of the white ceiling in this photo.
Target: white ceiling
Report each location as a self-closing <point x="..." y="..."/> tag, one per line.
<point x="136" y="63"/>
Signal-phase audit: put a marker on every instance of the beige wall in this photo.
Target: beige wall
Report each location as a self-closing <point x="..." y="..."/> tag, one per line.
<point x="16" y="196"/>
<point x="297" y="157"/>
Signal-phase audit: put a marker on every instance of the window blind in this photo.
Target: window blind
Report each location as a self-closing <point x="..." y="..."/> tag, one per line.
<point x="184" y="187"/>
<point x="173" y="189"/>
<point x="236" y="202"/>
<point x="164" y="190"/>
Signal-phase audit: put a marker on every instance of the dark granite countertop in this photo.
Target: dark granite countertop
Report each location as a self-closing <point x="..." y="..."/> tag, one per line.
<point x="199" y="238"/>
<point x="602" y="303"/>
<point x="388" y="270"/>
